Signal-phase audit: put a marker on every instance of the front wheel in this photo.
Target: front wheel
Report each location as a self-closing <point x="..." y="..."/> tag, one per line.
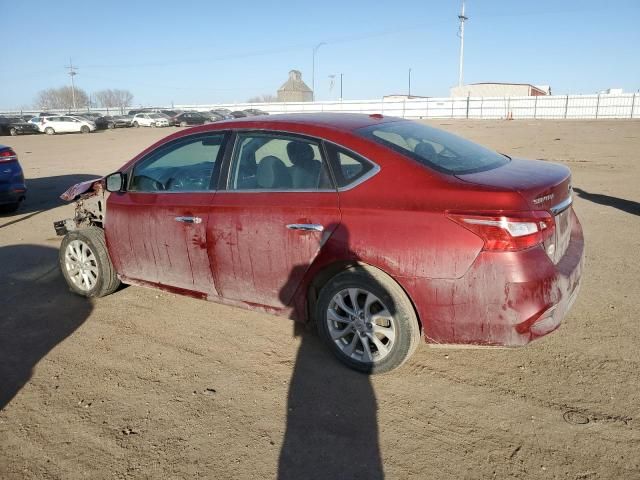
<point x="85" y="263"/>
<point x="84" y="129"/>
<point x="136" y="124"/>
<point x="367" y="320"/>
<point x="49" y="131"/>
<point x="13" y="131"/>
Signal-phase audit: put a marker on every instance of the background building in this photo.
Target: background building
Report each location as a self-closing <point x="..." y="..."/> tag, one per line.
<point x="294" y="89"/>
<point x="500" y="90"/>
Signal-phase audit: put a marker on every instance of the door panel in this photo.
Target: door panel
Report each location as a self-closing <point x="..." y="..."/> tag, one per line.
<point x="153" y="246"/>
<point x="157" y="229"/>
<point x="257" y="258"/>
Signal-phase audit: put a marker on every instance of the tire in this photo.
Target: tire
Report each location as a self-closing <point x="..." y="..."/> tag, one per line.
<point x="85" y="252"/>
<point x="84" y="129"/>
<point x="9" y="207"/>
<point x="384" y="313"/>
<point x="13" y="132"/>
<point x="183" y="124"/>
<point x="49" y="131"/>
<point x="111" y="126"/>
<point x="136" y="124"/>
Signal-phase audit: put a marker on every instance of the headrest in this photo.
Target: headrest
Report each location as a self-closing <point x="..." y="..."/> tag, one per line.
<point x="272" y="173"/>
<point x="425" y="150"/>
<point x="299" y="152"/>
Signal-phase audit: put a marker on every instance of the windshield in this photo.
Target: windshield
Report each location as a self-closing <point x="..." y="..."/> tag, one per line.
<point x="434" y="148"/>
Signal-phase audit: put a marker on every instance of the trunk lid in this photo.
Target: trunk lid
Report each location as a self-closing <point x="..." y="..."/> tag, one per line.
<point x="544" y="186"/>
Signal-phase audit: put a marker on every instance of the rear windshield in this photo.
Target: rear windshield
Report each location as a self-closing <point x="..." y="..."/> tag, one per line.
<point x="434" y="148"/>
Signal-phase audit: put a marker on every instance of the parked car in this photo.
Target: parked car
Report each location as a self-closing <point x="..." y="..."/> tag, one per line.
<point x="66" y="124"/>
<point x="254" y="112"/>
<point x="238" y="114"/>
<point x="118" y="121"/>
<point x="16" y="126"/>
<point x="189" y="118"/>
<point x="170" y="113"/>
<point x="138" y="110"/>
<point x="150" y="120"/>
<point x="13" y="189"/>
<point x="378" y="229"/>
<point x="222" y="111"/>
<point x="213" y="117"/>
<point x="97" y="118"/>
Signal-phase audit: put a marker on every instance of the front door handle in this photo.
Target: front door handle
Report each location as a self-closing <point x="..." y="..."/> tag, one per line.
<point x="308" y="227"/>
<point x="188" y="219"/>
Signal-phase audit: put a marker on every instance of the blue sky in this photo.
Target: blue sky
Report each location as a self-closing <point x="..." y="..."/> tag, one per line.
<point x="212" y="51"/>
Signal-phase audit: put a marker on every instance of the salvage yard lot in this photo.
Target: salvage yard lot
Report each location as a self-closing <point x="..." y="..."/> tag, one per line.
<point x="146" y="384"/>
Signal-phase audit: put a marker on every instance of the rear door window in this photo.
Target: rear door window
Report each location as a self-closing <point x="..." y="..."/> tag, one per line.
<point x="348" y="167"/>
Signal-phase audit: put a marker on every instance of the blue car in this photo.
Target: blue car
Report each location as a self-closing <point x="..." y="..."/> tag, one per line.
<point x="12" y="186"/>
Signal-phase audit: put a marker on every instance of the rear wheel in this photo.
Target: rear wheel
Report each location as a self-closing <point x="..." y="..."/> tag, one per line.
<point x="85" y="263"/>
<point x="13" y="131"/>
<point x="49" y="131"/>
<point x="111" y="126"/>
<point x="136" y="124"/>
<point x="85" y="129"/>
<point x="367" y="320"/>
<point x="9" y="207"/>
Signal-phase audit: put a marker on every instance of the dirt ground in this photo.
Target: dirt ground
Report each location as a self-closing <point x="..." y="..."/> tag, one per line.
<point x="145" y="384"/>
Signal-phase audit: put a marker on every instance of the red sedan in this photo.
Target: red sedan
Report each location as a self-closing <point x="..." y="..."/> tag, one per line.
<point x="378" y="229"/>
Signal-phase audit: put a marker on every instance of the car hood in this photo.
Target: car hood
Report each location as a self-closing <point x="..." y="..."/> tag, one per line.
<point x="79" y="188"/>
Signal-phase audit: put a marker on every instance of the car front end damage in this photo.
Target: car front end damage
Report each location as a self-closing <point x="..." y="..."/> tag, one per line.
<point x="90" y="200"/>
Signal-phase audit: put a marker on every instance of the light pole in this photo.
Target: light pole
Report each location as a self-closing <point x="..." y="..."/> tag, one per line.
<point x="409" y="84"/>
<point x="341" y="87"/>
<point x="313" y="71"/>
<point x="462" y="19"/>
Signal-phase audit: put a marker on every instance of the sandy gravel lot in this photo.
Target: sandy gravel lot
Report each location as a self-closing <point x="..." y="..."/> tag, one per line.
<point x="145" y="384"/>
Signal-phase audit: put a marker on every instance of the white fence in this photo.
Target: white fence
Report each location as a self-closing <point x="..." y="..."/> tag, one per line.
<point x="542" y="107"/>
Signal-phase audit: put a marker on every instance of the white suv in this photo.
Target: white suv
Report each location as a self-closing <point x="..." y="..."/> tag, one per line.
<point x="65" y="124"/>
<point x="150" y="120"/>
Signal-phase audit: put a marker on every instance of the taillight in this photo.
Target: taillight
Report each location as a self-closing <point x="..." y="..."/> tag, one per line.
<point x="515" y="231"/>
<point x="7" y="155"/>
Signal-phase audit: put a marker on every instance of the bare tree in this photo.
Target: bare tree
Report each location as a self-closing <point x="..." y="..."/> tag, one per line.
<point x="62" y="98"/>
<point x="122" y="99"/>
<point x="264" y="98"/>
<point x="106" y="99"/>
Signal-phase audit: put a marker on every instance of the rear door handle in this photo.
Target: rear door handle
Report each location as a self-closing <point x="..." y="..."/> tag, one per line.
<point x="308" y="227"/>
<point x="188" y="219"/>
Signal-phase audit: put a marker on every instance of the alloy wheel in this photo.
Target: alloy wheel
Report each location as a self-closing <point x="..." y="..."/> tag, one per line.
<point x="361" y="325"/>
<point x="81" y="265"/>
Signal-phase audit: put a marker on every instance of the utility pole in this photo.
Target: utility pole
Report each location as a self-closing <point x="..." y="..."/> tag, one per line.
<point x="313" y="71"/>
<point x="462" y="19"/>
<point x="72" y="73"/>
<point x="409" y="84"/>
<point x="341" y="87"/>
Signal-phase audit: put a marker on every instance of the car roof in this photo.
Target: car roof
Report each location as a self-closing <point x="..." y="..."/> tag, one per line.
<point x="337" y="121"/>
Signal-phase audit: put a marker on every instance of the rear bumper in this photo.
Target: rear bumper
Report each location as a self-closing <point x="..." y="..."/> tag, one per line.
<point x="12" y="194"/>
<point x="505" y="299"/>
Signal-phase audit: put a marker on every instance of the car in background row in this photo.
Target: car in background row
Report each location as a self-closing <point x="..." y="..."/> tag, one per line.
<point x="118" y="121"/>
<point x="189" y="118"/>
<point x="238" y="114"/>
<point x="254" y="112"/>
<point x="13" y="189"/>
<point x="150" y="120"/>
<point x="97" y="118"/>
<point x="65" y="124"/>
<point x="16" y="126"/>
<point x="378" y="229"/>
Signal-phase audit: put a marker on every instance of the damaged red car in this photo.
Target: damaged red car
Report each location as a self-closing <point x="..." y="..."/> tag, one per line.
<point x="379" y="230"/>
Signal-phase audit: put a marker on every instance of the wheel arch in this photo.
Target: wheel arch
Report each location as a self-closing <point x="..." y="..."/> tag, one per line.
<point x="325" y="274"/>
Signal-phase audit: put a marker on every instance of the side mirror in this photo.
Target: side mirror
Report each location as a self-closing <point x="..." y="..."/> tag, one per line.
<point x="115" y="182"/>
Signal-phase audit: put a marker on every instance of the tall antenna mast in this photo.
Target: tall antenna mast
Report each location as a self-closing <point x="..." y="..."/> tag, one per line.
<point x="462" y="19"/>
<point x="72" y="73"/>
